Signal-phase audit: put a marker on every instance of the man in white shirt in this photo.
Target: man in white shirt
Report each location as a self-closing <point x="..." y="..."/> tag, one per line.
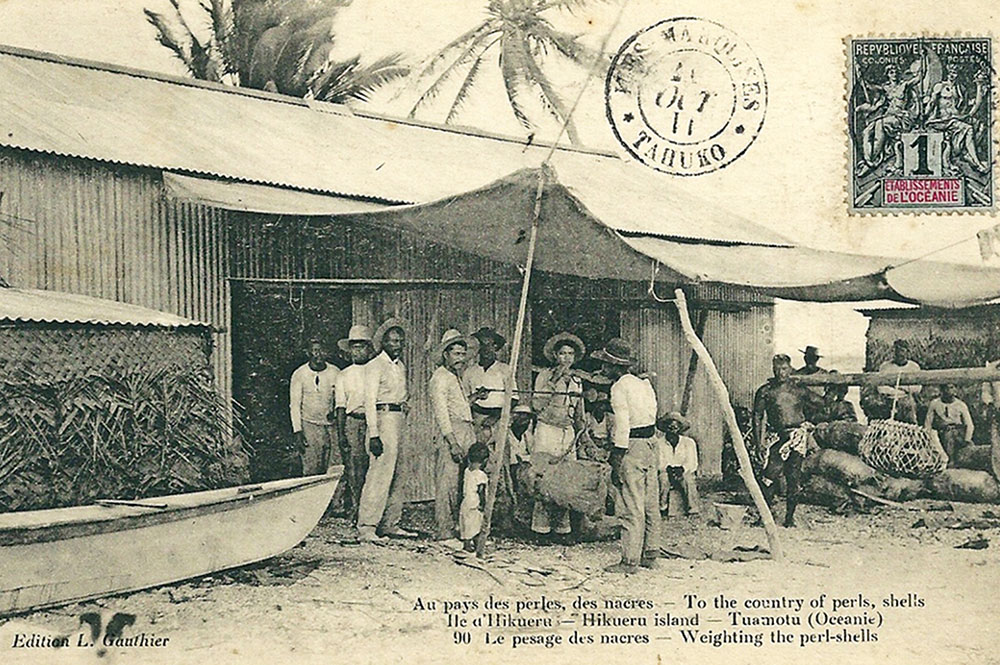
<point x="487" y="380"/>
<point x="453" y="417"/>
<point x="633" y="458"/>
<point x="352" y="391"/>
<point x="678" y="456"/>
<point x="310" y="405"/>
<point x="905" y="396"/>
<point x="381" y="503"/>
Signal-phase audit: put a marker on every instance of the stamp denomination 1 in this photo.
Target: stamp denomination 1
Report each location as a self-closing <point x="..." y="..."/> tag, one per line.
<point x="686" y="96"/>
<point x="920" y="124"/>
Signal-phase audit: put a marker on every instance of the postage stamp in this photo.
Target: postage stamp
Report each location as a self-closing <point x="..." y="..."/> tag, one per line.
<point x="686" y="96"/>
<point x="920" y="124"/>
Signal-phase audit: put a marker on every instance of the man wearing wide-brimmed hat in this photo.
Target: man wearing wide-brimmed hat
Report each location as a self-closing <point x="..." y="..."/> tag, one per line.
<point x="487" y="379"/>
<point x="381" y="505"/>
<point x="678" y="455"/>
<point x="634" y="458"/>
<point x="350" y="400"/>
<point x="453" y="416"/>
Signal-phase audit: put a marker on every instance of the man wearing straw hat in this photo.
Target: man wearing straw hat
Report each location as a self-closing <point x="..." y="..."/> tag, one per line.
<point x="351" y="394"/>
<point x="381" y="504"/>
<point x="634" y="457"/>
<point x="453" y="416"/>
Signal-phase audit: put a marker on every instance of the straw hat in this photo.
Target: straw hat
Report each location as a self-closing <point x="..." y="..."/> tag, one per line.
<point x="450" y="336"/>
<point x="560" y="339"/>
<point x="386" y="326"/>
<point x="615" y="352"/>
<point x="356" y="334"/>
<point x="489" y="333"/>
<point x="675" y="416"/>
<point x="522" y="408"/>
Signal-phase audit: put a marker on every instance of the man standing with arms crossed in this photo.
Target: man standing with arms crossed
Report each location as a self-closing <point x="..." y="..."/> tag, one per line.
<point x="633" y="457"/>
<point x="381" y="504"/>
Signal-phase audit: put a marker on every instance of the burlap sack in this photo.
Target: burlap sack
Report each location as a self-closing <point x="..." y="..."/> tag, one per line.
<point x="964" y="485"/>
<point x="840" y="435"/>
<point x="839" y="467"/>
<point x="973" y="457"/>
<point x="575" y="484"/>
<point x="822" y="491"/>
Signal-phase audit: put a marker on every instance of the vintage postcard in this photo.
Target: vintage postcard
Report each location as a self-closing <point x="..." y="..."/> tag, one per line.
<point x="499" y="331"/>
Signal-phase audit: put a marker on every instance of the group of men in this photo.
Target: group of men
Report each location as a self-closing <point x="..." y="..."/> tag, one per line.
<point x="358" y="411"/>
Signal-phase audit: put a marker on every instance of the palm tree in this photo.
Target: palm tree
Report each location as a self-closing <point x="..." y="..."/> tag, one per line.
<point x="278" y="45"/>
<point x="522" y="36"/>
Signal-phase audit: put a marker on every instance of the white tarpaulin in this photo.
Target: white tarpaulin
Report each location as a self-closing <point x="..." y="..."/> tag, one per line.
<point x="600" y="223"/>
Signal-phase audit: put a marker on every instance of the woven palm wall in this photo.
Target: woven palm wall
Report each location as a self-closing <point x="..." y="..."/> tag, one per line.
<point x="91" y="411"/>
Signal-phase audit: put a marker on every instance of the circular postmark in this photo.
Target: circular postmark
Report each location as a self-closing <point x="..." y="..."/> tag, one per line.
<point x="686" y="96"/>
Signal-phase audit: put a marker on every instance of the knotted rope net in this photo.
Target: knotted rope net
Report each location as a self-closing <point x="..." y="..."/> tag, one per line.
<point x="901" y="449"/>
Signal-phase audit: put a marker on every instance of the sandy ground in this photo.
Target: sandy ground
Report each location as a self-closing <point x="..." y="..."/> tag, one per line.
<point x="332" y="600"/>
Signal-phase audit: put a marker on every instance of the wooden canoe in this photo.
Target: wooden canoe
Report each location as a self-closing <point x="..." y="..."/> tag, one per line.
<point x="63" y="555"/>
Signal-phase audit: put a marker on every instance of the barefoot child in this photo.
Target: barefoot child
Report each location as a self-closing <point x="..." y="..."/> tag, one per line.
<point x="470" y="516"/>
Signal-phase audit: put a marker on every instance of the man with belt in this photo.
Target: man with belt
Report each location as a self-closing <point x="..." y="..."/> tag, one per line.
<point x="784" y="408"/>
<point x="487" y="380"/>
<point x="381" y="503"/>
<point x="310" y="404"/>
<point x="453" y="416"/>
<point x="352" y="389"/>
<point x="634" y="459"/>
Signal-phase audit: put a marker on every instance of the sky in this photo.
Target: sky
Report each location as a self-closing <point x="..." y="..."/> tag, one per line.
<point x="791" y="179"/>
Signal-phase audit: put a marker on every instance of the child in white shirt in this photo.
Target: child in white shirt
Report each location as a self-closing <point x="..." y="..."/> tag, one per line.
<point x="470" y="513"/>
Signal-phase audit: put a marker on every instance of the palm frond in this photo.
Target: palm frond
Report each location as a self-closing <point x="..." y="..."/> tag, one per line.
<point x="512" y="70"/>
<point x="466" y="87"/>
<point x="167" y="35"/>
<point x="567" y="45"/>
<point x="348" y="80"/>
<point x="550" y="98"/>
<point x="569" y="5"/>
<point x="432" y="91"/>
<point x="427" y="68"/>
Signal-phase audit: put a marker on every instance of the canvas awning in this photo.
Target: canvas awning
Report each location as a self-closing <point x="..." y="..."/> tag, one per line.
<point x="612" y="223"/>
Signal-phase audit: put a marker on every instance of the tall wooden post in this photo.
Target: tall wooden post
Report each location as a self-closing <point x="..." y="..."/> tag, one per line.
<point x="500" y="452"/>
<point x="746" y="471"/>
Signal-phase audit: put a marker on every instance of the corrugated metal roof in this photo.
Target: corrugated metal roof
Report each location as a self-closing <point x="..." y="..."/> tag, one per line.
<point x="82" y="109"/>
<point x="38" y="306"/>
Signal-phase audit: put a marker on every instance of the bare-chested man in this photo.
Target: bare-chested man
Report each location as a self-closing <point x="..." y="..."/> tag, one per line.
<point x="783" y="407"/>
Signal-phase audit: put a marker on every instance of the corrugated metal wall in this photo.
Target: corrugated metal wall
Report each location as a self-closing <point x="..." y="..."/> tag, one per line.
<point x="741" y="343"/>
<point x="272" y="247"/>
<point x="107" y="231"/>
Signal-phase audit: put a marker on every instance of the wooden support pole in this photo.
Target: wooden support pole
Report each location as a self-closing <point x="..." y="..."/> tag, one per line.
<point x="924" y="377"/>
<point x="693" y="363"/>
<point x="746" y="471"/>
<point x="500" y="452"/>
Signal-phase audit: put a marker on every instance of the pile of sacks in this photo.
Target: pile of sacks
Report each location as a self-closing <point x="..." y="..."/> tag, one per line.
<point x="836" y="468"/>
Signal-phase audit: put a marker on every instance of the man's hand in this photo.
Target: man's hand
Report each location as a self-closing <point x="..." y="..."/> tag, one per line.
<point x="480" y="394"/>
<point x="615" y="459"/>
<point x="375" y="446"/>
<point x="454" y="448"/>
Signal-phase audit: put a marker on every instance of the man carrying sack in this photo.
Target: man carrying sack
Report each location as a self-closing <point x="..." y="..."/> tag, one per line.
<point x="634" y="458"/>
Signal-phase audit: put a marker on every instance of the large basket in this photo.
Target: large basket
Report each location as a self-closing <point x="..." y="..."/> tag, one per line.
<point x="902" y="449"/>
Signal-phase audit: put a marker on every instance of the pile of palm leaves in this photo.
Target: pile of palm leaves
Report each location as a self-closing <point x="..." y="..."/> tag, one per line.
<point x="118" y="433"/>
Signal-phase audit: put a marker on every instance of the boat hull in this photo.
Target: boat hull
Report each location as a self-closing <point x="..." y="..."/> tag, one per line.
<point x="55" y="557"/>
